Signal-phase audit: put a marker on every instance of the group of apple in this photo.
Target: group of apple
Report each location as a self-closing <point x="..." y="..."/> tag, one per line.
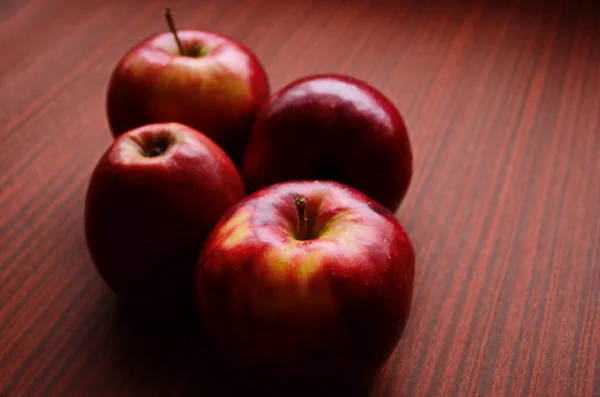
<point x="269" y="216"/>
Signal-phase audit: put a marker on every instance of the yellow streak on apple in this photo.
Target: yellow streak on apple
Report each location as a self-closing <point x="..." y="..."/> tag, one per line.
<point x="277" y="260"/>
<point x="236" y="237"/>
<point x="236" y="229"/>
<point x="338" y="226"/>
<point x="363" y="235"/>
<point x="213" y="81"/>
<point x="275" y="295"/>
<point x="287" y="300"/>
<point x="308" y="264"/>
<point x="288" y="261"/>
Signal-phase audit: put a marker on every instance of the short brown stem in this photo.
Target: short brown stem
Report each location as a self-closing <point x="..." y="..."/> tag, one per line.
<point x="171" y="24"/>
<point x="302" y="230"/>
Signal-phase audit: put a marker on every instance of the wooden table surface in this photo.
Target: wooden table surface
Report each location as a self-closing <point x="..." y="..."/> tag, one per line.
<point x="502" y="99"/>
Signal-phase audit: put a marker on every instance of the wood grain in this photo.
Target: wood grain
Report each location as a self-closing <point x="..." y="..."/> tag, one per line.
<point x="502" y="99"/>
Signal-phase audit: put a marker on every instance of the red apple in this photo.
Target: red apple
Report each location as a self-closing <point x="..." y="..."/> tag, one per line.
<point x="331" y="127"/>
<point x="152" y="200"/>
<point x="217" y="86"/>
<point x="305" y="282"/>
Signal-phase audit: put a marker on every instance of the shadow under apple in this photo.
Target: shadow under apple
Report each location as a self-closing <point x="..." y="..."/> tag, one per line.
<point x="156" y="357"/>
<point x="162" y="357"/>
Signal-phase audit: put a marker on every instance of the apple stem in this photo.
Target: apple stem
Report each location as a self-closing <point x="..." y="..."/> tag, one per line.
<point x="302" y="232"/>
<point x="171" y="24"/>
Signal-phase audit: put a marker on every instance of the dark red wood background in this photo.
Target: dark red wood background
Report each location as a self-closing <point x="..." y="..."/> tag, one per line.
<point x="502" y="99"/>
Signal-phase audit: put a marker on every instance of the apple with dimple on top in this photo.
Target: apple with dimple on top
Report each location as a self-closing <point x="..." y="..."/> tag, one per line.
<point x="306" y="282"/>
<point x="351" y="133"/>
<point x="205" y="80"/>
<point x="153" y="198"/>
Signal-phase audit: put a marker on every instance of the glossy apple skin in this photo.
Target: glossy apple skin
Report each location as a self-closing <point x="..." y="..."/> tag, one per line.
<point x="218" y="93"/>
<point x="323" y="311"/>
<point x="147" y="217"/>
<point x="331" y="127"/>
